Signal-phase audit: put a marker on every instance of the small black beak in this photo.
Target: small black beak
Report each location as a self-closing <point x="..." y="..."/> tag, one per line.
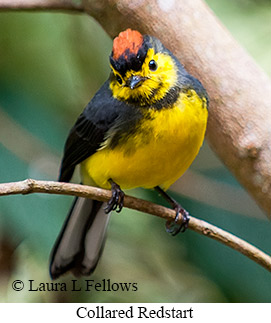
<point x="134" y="81"/>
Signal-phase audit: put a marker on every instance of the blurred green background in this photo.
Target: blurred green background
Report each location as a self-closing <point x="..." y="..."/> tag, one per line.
<point x="50" y="66"/>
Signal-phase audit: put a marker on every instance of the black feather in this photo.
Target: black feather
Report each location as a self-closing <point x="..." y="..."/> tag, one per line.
<point x="103" y="117"/>
<point x="89" y="131"/>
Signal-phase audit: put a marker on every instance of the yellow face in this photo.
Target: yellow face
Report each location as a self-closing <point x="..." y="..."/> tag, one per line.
<point x="148" y="85"/>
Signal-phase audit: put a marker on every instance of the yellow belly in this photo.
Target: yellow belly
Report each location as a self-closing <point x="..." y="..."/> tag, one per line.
<point x="157" y="154"/>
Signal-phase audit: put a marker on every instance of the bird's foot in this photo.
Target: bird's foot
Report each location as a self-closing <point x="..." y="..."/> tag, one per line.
<point x="116" y="201"/>
<point x="173" y="227"/>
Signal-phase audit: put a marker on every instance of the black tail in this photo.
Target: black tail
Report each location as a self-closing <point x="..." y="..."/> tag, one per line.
<point x="81" y="240"/>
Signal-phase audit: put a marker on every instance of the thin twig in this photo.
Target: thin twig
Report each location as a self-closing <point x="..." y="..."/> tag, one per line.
<point x="33" y="186"/>
<point x="33" y="5"/>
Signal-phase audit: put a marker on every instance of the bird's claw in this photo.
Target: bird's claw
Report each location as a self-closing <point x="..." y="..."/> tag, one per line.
<point x="116" y="201"/>
<point x="173" y="227"/>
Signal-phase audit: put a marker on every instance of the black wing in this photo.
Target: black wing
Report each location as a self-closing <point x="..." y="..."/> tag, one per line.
<point x="89" y="131"/>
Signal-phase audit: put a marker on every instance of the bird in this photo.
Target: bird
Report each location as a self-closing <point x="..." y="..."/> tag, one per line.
<point x="143" y="128"/>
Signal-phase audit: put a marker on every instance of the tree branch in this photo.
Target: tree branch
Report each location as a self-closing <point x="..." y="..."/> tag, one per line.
<point x="31" y="5"/>
<point x="33" y="186"/>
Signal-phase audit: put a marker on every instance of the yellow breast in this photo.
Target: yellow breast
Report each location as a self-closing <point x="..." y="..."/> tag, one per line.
<point x="160" y="151"/>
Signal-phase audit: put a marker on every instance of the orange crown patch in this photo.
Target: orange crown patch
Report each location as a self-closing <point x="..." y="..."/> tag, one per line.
<point x="128" y="41"/>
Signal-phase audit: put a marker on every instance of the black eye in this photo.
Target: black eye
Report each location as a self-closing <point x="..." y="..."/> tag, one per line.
<point x="119" y="79"/>
<point x="153" y="65"/>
